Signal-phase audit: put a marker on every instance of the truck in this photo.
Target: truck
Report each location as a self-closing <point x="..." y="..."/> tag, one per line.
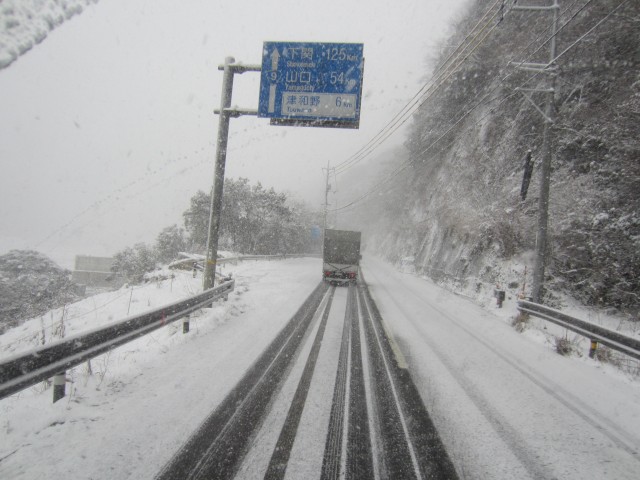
<point x="340" y="256"/>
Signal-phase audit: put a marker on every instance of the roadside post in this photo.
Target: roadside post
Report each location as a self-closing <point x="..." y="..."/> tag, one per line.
<point x="59" y="386"/>
<point x="500" y="296"/>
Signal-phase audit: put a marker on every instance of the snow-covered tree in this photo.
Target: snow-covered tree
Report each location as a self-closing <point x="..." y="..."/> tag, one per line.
<point x="170" y="241"/>
<point x="254" y="220"/>
<point x="133" y="263"/>
<point x="31" y="284"/>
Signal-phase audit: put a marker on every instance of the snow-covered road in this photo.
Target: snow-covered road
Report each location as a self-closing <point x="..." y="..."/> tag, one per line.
<point x="505" y="406"/>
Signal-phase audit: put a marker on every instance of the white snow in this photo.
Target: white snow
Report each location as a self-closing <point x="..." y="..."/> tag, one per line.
<point x="147" y="397"/>
<point x="506" y="405"/>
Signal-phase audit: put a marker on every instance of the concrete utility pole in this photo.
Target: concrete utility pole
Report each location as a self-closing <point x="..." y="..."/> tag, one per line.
<point x="218" y="176"/>
<point x="327" y="187"/>
<point x="545" y="151"/>
<point x="215" y="211"/>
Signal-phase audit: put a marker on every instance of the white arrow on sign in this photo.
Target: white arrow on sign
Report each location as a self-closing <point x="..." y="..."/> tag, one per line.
<point x="275" y="56"/>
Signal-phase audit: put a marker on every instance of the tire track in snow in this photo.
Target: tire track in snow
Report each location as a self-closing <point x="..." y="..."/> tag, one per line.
<point x="278" y="464"/>
<point x="624" y="440"/>
<point x="218" y="447"/>
<point x="510" y="436"/>
<point x="621" y="439"/>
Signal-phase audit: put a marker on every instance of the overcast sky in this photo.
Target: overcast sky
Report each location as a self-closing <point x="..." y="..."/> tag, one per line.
<point x="107" y="127"/>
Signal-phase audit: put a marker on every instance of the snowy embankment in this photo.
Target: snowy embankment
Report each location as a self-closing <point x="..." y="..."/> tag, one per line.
<point x="25" y="23"/>
<point x="145" y="398"/>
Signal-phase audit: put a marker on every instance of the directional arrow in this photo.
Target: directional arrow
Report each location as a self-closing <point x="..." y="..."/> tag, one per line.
<point x="275" y="56"/>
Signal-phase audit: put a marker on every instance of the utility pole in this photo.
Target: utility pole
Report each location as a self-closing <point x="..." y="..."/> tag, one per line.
<point x="545" y="151"/>
<point x="327" y="187"/>
<point x="225" y="112"/>
<point x="218" y="176"/>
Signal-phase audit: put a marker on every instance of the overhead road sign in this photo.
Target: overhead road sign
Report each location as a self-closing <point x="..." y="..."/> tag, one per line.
<point x="311" y="84"/>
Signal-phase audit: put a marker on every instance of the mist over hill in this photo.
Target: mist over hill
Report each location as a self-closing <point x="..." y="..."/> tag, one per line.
<point x="453" y="200"/>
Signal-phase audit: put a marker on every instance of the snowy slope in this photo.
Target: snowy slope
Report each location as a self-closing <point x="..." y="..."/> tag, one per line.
<point x="25" y="23"/>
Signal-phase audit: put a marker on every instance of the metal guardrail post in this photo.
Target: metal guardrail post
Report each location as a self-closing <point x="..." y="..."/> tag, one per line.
<point x="185" y="324"/>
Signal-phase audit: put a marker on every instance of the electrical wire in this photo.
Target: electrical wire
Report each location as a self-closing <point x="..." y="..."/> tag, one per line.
<point x="407" y="163"/>
<point x="418" y="100"/>
<point x="420" y="91"/>
<point x="475" y="106"/>
<point x="368" y="148"/>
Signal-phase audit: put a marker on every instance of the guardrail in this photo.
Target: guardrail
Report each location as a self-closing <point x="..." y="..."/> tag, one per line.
<point x="27" y="369"/>
<point x="596" y="333"/>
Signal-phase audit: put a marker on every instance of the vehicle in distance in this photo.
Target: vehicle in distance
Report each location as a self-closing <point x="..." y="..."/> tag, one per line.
<point x="341" y="256"/>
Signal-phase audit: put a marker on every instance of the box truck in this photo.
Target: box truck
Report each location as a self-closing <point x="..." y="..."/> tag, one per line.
<point x="340" y="256"/>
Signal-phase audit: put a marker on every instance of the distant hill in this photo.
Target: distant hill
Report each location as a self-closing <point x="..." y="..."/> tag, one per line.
<point x="31" y="284"/>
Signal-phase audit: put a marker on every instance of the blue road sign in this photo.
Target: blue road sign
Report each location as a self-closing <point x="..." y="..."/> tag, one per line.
<point x="312" y="83"/>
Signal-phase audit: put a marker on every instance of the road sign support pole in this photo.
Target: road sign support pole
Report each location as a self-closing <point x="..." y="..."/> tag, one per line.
<point x="226" y="113"/>
<point x="218" y="176"/>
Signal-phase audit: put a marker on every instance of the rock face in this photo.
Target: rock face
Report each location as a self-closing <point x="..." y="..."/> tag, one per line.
<point x="31" y="284"/>
<point x="454" y="202"/>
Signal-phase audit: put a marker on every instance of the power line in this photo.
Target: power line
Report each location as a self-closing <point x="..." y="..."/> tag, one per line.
<point x="420" y="97"/>
<point x="383" y="135"/>
<point x="411" y="109"/>
<point x="407" y="163"/>
<point x="419" y="92"/>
